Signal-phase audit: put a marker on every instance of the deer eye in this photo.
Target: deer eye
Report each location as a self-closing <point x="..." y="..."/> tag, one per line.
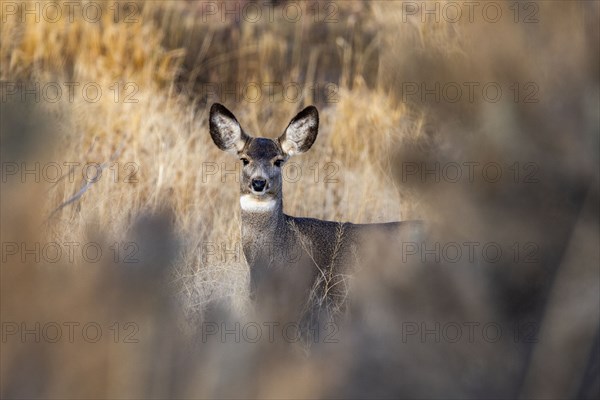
<point x="278" y="163"/>
<point x="245" y="161"/>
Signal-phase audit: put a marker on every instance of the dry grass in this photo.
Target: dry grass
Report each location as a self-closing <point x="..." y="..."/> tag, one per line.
<point x="165" y="134"/>
<point x="169" y="55"/>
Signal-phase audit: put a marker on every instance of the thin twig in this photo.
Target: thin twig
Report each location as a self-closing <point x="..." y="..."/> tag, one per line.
<point x="89" y="183"/>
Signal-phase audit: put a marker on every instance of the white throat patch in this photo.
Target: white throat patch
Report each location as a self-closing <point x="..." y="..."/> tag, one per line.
<point x="251" y="204"/>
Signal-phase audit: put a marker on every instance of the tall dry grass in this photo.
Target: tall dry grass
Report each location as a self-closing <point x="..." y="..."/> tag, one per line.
<point x="173" y="214"/>
<point x="165" y="133"/>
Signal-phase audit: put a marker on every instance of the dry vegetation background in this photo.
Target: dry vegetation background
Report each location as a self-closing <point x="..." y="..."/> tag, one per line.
<point x="174" y="215"/>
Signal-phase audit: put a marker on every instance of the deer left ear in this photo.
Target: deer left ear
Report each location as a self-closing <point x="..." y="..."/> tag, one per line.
<point x="301" y="133"/>
<point x="225" y="130"/>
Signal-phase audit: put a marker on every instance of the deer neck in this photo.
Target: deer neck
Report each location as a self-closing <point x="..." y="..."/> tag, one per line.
<point x="263" y="225"/>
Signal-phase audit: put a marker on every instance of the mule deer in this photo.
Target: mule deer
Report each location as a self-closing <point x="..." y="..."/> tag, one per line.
<point x="293" y="261"/>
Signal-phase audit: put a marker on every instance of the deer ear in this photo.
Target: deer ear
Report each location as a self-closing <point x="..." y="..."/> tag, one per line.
<point x="301" y="133"/>
<point x="225" y="130"/>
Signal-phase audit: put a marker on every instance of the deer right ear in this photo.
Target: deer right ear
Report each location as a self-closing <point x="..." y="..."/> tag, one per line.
<point x="301" y="133"/>
<point x="225" y="130"/>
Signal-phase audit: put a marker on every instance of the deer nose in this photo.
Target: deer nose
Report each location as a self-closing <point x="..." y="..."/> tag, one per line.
<point x="259" y="184"/>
